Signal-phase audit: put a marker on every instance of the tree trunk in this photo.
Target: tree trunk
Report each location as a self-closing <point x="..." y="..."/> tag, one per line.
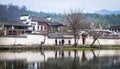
<point x="93" y="42"/>
<point x="75" y="41"/>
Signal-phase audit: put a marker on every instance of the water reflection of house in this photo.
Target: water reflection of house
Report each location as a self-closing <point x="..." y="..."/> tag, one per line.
<point x="13" y="64"/>
<point x="13" y="28"/>
<point x="62" y="63"/>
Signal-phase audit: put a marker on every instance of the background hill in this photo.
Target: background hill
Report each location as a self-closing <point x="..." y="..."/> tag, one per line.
<point x="12" y="12"/>
<point x="103" y="17"/>
<point x="107" y="12"/>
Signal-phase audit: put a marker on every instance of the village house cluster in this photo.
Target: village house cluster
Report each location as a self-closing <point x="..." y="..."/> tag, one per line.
<point x="33" y="30"/>
<point x="30" y="24"/>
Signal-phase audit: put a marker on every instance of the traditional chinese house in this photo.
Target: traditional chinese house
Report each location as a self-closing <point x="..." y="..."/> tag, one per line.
<point x="13" y="28"/>
<point x="115" y="28"/>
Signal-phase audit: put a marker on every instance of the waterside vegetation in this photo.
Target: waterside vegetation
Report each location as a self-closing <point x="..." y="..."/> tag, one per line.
<point x="27" y="48"/>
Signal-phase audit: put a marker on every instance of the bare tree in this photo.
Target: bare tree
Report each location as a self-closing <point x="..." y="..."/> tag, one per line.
<point x="95" y="35"/>
<point x="75" y="21"/>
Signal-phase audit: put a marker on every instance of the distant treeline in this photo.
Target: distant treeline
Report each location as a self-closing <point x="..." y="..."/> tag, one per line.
<point x="105" y="20"/>
<point x="12" y="12"/>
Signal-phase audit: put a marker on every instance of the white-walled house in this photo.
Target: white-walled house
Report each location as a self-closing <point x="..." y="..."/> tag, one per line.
<point x="40" y="24"/>
<point x="33" y="21"/>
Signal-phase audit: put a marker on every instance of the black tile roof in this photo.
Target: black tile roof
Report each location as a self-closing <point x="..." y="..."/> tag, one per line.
<point x="42" y="19"/>
<point x="13" y="23"/>
<point x="55" y="24"/>
<point x="39" y="19"/>
<point x="24" y="15"/>
<point x="115" y="27"/>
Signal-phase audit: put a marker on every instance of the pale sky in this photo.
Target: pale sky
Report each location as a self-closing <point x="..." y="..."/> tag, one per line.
<point x="61" y="6"/>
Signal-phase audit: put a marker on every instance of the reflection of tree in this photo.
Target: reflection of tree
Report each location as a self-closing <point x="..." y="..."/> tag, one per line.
<point x="94" y="56"/>
<point x="75" y="61"/>
<point x="56" y="54"/>
<point x="83" y="56"/>
<point x="62" y="54"/>
<point x="69" y="53"/>
<point x="42" y="53"/>
<point x="75" y="54"/>
<point x="42" y="65"/>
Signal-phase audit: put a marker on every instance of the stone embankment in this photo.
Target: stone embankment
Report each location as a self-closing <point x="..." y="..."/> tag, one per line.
<point x="35" y="40"/>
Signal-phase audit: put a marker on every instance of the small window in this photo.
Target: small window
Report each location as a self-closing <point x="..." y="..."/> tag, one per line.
<point x="38" y="27"/>
<point x="41" y="28"/>
<point x="27" y="22"/>
<point x="33" y="28"/>
<point x="45" y="28"/>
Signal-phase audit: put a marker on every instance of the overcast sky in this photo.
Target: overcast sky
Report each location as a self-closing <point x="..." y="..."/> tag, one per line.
<point x="60" y="6"/>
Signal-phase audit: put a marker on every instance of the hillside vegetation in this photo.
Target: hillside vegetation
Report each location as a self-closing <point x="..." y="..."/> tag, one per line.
<point x="12" y="12"/>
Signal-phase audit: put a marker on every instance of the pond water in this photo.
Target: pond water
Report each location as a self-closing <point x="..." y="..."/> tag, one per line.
<point x="59" y="59"/>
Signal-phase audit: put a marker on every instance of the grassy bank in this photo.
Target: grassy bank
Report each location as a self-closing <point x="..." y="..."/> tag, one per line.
<point x="59" y="47"/>
<point x="79" y="48"/>
<point x="110" y="47"/>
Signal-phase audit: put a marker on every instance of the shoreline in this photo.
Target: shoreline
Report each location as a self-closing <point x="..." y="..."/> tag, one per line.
<point x="66" y="47"/>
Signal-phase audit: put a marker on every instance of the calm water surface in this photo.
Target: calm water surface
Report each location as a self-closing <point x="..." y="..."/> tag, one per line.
<point x="59" y="59"/>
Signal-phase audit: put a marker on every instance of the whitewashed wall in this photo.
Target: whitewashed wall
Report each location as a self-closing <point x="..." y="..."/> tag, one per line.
<point x="37" y="39"/>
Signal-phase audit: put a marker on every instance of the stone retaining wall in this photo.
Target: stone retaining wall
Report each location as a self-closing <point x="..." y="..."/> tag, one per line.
<point x="37" y="39"/>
